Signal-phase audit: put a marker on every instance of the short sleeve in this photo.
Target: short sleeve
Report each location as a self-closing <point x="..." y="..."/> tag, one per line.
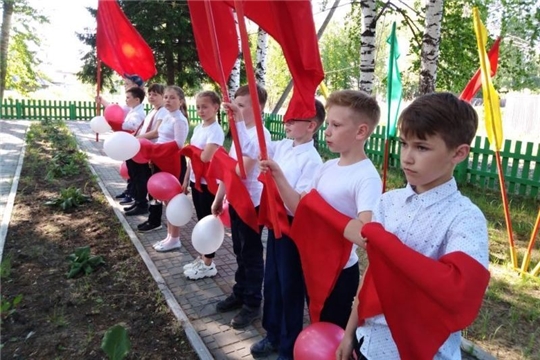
<point x="216" y="136"/>
<point x="309" y="172"/>
<point x="367" y="194"/>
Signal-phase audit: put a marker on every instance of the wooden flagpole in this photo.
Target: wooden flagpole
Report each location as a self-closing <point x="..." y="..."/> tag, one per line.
<point x="527" y="259"/>
<point x="98" y="105"/>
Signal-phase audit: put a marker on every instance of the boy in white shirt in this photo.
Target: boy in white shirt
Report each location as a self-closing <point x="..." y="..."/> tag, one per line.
<point x="247" y="243"/>
<point x="433" y="237"/>
<point x="351" y="186"/>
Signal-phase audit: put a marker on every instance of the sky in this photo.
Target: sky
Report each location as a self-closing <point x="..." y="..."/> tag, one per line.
<point x="61" y="50"/>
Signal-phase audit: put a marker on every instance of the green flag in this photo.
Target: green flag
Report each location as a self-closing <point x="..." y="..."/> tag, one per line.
<point x="394" y="84"/>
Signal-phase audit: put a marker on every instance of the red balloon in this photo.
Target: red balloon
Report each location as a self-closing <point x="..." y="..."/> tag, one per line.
<point x="124" y="171"/>
<point x="114" y="114"/>
<point x="224" y="216"/>
<point x="318" y="341"/>
<point x="163" y="186"/>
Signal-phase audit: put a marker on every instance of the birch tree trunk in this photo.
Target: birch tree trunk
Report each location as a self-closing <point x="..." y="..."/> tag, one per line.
<point x="234" y="78"/>
<point x="429" y="55"/>
<point x="262" y="49"/>
<point x="7" y="12"/>
<point x="367" y="45"/>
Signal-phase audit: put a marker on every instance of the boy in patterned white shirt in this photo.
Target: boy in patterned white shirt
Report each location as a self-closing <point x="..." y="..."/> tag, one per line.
<point x="436" y="231"/>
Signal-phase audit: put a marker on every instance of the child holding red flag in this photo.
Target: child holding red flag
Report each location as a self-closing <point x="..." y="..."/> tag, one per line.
<point x="345" y="188"/>
<point x="427" y="246"/>
<point x="246" y="235"/>
<point x="207" y="137"/>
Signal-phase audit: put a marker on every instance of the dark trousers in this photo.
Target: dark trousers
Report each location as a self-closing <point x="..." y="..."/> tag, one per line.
<point x="139" y="175"/>
<point x="356" y="347"/>
<point x="203" y="204"/>
<point x="248" y="248"/>
<point x="337" y="308"/>
<point x="284" y="293"/>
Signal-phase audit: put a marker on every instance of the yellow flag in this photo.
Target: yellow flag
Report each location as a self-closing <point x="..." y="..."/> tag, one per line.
<point x="492" y="107"/>
<point x="324" y="90"/>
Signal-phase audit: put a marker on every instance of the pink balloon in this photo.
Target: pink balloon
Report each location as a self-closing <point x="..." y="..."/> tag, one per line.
<point x="318" y="341"/>
<point x="224" y="216"/>
<point x="124" y="171"/>
<point x="114" y="114"/>
<point x="163" y="186"/>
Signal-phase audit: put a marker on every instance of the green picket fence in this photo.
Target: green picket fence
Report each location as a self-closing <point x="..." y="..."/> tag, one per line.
<point x="520" y="161"/>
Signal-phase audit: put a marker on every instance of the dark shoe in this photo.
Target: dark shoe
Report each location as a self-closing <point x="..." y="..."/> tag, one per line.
<point x="121" y="196"/>
<point x="263" y="348"/>
<point x="229" y="304"/>
<point x="245" y="317"/>
<point x="131" y="207"/>
<point x="127" y="200"/>
<point x="146" y="227"/>
<point x="138" y="210"/>
<point x="284" y="357"/>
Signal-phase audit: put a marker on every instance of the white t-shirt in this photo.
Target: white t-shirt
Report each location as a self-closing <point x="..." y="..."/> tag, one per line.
<point x="154" y="116"/>
<point x="251" y="183"/>
<point x="434" y="223"/>
<point x="203" y="135"/>
<point x="350" y="189"/>
<point x="174" y="127"/>
<point x="299" y="163"/>
<point x="134" y="118"/>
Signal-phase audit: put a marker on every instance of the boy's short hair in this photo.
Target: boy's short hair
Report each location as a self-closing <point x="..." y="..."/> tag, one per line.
<point x="261" y="93"/>
<point x="157" y="88"/>
<point x="136" y="92"/>
<point x="360" y="103"/>
<point x="443" y="114"/>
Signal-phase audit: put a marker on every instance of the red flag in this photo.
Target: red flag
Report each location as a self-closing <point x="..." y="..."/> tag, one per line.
<point x="264" y="208"/>
<point x="475" y="83"/>
<point x="166" y="156"/>
<point x="291" y="24"/>
<point x="423" y="300"/>
<point x="119" y="45"/>
<point x="223" y="167"/>
<point x="200" y="168"/>
<point x="323" y="249"/>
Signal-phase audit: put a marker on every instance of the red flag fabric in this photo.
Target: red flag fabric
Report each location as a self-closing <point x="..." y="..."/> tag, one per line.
<point x="166" y="156"/>
<point x="317" y="230"/>
<point x="200" y="168"/>
<point x="119" y="45"/>
<point x="264" y="208"/>
<point x="226" y="36"/>
<point x="223" y="167"/>
<point x="475" y="83"/>
<point x="291" y="24"/>
<point x="423" y="300"/>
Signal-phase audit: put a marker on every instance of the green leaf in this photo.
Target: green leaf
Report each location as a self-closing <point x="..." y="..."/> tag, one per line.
<point x="116" y="343"/>
<point x="17" y="300"/>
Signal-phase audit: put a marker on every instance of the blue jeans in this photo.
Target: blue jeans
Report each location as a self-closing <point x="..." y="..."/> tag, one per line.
<point x="284" y="293"/>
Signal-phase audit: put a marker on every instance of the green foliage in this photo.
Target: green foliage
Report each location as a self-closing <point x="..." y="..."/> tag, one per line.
<point x="5" y="268"/>
<point x="69" y="198"/>
<point x="7" y="308"/>
<point x="82" y="262"/>
<point x="277" y="73"/>
<point x="116" y="343"/>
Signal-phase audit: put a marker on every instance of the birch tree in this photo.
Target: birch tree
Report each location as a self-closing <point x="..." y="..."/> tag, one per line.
<point x="262" y="49"/>
<point x="429" y="54"/>
<point x="367" y="45"/>
<point x="234" y="78"/>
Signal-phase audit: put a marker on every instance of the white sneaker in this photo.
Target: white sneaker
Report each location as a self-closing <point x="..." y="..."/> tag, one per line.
<point x="200" y="271"/>
<point x="168" y="246"/>
<point x="193" y="263"/>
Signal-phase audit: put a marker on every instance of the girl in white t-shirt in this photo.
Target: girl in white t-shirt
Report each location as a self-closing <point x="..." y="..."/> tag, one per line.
<point x="208" y="137"/>
<point x="174" y="127"/>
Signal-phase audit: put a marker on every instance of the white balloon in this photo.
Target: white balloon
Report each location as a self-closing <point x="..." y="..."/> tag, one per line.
<point x="99" y="125"/>
<point x="179" y="210"/>
<point x="121" y="146"/>
<point x="207" y="235"/>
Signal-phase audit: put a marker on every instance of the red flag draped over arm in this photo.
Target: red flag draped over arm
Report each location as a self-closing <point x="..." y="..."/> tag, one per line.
<point x="423" y="300"/>
<point x="200" y="168"/>
<point x="323" y="249"/>
<point x="119" y="45"/>
<point x="475" y="83"/>
<point x="291" y="24"/>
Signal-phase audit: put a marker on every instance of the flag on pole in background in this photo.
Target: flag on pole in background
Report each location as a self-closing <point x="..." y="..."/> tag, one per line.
<point x="119" y="45"/>
<point x="394" y="89"/>
<point x="492" y="107"/>
<point x="475" y="83"/>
